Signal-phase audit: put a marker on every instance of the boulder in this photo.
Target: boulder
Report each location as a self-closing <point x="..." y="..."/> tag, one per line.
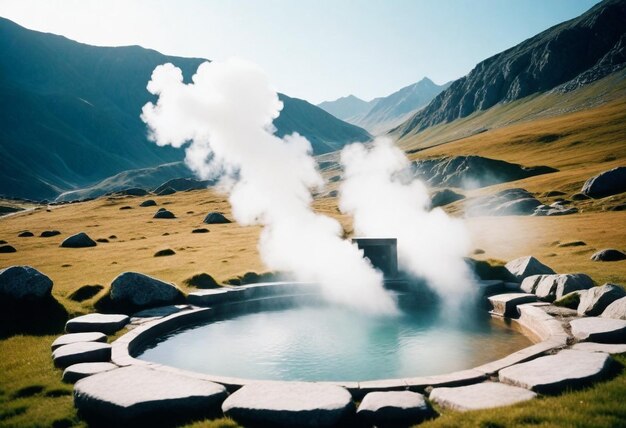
<point x="78" y="371"/>
<point x="526" y="266"/>
<point x="555" y="373"/>
<point x="393" y="408"/>
<point x="289" y="404"/>
<point x="6" y="249"/>
<point x="480" y="396"/>
<point x="49" y="233"/>
<point x="139" y="290"/>
<point x="606" y="183"/>
<point x="616" y="310"/>
<point x="138" y="396"/>
<point x="163" y="213"/>
<point x="80" y="240"/>
<point x="24" y="283"/>
<point x="215" y="218"/>
<point x="506" y="304"/>
<point x="81" y="352"/>
<point x="148" y="203"/>
<point x="529" y="284"/>
<point x="603" y="330"/>
<point x="66" y="339"/>
<point x="608" y="255"/>
<point x="104" y="323"/>
<point x="596" y="299"/>
<point x="165" y="191"/>
<point x="553" y="287"/>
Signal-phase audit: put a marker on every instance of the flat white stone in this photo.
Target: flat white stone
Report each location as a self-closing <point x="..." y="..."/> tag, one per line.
<point x="81" y="352"/>
<point x="393" y="407"/>
<point x="555" y="373"/>
<point x="66" y="339"/>
<point x="594" y="329"/>
<point x="289" y="404"/>
<point x="78" y="371"/>
<point x="104" y="323"/>
<point x="506" y="304"/>
<point x="144" y="396"/>
<point x="480" y="396"/>
<point x="600" y="347"/>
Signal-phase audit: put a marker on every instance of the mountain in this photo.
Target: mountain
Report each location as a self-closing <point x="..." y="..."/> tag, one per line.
<point x="381" y="114"/>
<point x="70" y="113"/>
<point x="345" y="108"/>
<point x="562" y="58"/>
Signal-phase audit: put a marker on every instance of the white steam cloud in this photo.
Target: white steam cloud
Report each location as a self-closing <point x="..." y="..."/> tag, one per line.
<point x="384" y="199"/>
<point x="226" y="116"/>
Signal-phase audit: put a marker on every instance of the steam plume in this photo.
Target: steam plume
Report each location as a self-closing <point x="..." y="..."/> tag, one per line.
<point x="226" y="117"/>
<point x="385" y="201"/>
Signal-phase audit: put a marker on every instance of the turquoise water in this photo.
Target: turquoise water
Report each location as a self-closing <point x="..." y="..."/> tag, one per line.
<point x="320" y="342"/>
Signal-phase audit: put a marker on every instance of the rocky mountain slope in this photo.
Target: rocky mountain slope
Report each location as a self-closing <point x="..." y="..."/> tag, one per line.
<point x="70" y="113"/>
<point x="382" y="114"/>
<point x="564" y="57"/>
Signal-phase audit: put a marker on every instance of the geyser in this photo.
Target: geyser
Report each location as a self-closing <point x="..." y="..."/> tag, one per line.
<point x="224" y="120"/>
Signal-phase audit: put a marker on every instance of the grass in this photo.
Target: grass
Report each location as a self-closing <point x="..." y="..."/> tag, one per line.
<point x="580" y="144"/>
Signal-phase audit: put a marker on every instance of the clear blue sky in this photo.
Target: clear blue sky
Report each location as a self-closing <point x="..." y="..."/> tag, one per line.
<point x="313" y="49"/>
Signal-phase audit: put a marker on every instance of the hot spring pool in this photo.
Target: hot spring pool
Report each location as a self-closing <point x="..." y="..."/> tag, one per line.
<point x="321" y="342"/>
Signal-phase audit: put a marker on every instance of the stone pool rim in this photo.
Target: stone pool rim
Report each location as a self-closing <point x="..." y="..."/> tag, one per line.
<point x="533" y="322"/>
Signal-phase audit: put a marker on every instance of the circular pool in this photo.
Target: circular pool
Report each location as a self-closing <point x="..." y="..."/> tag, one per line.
<point x="321" y="342"/>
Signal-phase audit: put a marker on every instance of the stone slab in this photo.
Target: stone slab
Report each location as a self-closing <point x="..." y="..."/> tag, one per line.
<point x="143" y="396"/>
<point x="81" y="352"/>
<point x="480" y="396"/>
<point x="554" y="373"/>
<point x="609" y="348"/>
<point x="103" y="323"/>
<point x="289" y="404"/>
<point x="66" y="339"/>
<point x="393" y="407"/>
<point x="616" y="310"/>
<point x="76" y="372"/>
<point x="604" y="330"/>
<point x="506" y="304"/>
<point x="213" y="296"/>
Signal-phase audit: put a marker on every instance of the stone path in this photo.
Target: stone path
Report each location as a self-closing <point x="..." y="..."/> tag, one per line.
<point x="555" y="373"/>
<point x="480" y="396"/>
<point x="75" y="372"/>
<point x="393" y="407"/>
<point x="289" y="404"/>
<point x="81" y="352"/>
<point x="66" y="339"/>
<point x="103" y="323"/>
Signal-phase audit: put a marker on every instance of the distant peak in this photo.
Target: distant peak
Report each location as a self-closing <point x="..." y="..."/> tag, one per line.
<point x="426" y="80"/>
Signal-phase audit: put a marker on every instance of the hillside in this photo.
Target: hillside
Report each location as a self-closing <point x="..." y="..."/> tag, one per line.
<point x="563" y="58"/>
<point x="71" y="113"/>
<point x="345" y="108"/>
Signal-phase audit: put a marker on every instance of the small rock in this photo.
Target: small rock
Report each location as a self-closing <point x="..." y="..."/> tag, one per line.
<point x="527" y="266"/>
<point x="142" y="290"/>
<point x="2" y="242"/>
<point x="555" y="373"/>
<point x="163" y="213"/>
<point x="165" y="252"/>
<point x="85" y="292"/>
<point x="215" y="218"/>
<point x="25" y="234"/>
<point x="126" y="207"/>
<point x="289" y="404"/>
<point x="596" y="299"/>
<point x="4" y="249"/>
<point x="78" y="371"/>
<point x="572" y="244"/>
<point x="102" y="240"/>
<point x="81" y="352"/>
<point x="393" y="407"/>
<point x="606" y="183"/>
<point x="49" y="233"/>
<point x="616" y="310"/>
<point x="200" y="230"/>
<point x="66" y="339"/>
<point x="603" y="330"/>
<point x="480" y="396"/>
<point x="608" y="255"/>
<point x="24" y="283"/>
<point x="148" y="203"/>
<point x="103" y="323"/>
<point x="80" y="240"/>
